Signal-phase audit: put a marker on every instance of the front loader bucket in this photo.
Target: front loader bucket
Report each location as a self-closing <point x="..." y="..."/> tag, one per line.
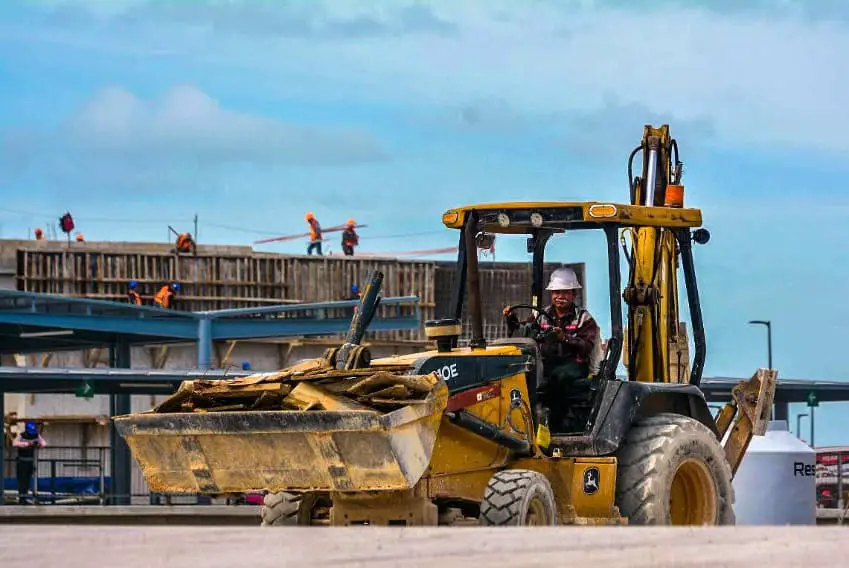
<point x="343" y="445"/>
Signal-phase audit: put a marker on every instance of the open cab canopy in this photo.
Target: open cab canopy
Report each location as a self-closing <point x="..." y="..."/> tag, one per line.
<point x="518" y="217"/>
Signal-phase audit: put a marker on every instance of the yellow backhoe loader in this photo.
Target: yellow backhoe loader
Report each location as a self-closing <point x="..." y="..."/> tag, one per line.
<point x="457" y="435"/>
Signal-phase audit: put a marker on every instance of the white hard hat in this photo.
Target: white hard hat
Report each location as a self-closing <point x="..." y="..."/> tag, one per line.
<point x="563" y="279"/>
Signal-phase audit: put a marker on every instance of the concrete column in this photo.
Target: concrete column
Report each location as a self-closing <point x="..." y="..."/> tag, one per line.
<point x="204" y="349"/>
<point x="204" y="343"/>
<point x="120" y="458"/>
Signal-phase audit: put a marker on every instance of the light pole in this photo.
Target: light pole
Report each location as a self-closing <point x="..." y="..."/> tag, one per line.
<point x="768" y="325"/>
<point x="775" y="409"/>
<point x="799" y="424"/>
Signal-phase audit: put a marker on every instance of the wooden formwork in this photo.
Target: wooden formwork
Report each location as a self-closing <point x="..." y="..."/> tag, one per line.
<point x="222" y="281"/>
<point x="236" y="277"/>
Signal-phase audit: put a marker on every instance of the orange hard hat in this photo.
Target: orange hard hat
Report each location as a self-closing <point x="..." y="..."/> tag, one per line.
<point x="309" y="217"/>
<point x="79" y="236"/>
<point x="351" y="222"/>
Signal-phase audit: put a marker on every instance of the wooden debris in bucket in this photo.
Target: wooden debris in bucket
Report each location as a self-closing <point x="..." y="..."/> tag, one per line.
<point x="312" y="385"/>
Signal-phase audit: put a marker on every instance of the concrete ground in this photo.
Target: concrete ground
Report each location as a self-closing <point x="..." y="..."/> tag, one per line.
<point x="247" y="515"/>
<point x="213" y="547"/>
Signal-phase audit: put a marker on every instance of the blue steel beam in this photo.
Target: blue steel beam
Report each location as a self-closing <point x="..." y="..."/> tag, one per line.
<point x="288" y="308"/>
<point x="148" y="323"/>
<point x="104" y="381"/>
<point x="15" y="300"/>
<point x="116" y="374"/>
<point x="183" y="328"/>
<point x="143" y="320"/>
<point x="291" y="327"/>
<point x="141" y="381"/>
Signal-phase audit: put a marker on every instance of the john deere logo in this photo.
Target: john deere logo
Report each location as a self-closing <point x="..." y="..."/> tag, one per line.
<point x="591" y="478"/>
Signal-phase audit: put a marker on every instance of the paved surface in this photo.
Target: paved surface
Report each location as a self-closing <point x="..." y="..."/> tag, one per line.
<point x="214" y="547"/>
<point x="246" y="515"/>
<point x="127" y="511"/>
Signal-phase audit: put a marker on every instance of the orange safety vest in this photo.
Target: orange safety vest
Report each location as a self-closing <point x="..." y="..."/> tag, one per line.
<point x="184" y="242"/>
<point x="315" y="230"/>
<point x="163" y="297"/>
<point x="135" y="297"/>
<point x="350" y="238"/>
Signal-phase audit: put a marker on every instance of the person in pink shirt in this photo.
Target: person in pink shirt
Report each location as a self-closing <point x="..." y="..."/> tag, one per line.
<point x="27" y="442"/>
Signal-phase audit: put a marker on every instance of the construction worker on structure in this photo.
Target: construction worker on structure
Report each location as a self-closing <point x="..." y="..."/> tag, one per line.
<point x="133" y="295"/>
<point x="185" y="243"/>
<point x="315" y="234"/>
<point x="350" y="238"/>
<point x="165" y="297"/>
<point x="570" y="348"/>
<point x="80" y="238"/>
<point x="39" y="235"/>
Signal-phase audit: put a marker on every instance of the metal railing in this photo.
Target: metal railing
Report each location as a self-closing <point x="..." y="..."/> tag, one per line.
<point x="62" y="475"/>
<point x="74" y="475"/>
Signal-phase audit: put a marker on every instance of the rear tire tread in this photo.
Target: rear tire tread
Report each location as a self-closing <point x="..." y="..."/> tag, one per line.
<point x="651" y="449"/>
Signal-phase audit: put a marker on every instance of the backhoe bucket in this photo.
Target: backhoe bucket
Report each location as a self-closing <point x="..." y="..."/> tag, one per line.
<point x="330" y="442"/>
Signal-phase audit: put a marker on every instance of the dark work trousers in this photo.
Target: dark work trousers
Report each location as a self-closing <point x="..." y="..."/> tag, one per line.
<point x="314" y="246"/>
<point x="25" y="469"/>
<point x="564" y="381"/>
<point x="348" y="250"/>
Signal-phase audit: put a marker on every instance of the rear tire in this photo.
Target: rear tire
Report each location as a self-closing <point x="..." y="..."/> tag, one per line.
<point x="518" y="497"/>
<point x="673" y="471"/>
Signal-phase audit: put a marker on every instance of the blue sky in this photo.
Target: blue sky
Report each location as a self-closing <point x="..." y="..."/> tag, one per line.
<point x="136" y="114"/>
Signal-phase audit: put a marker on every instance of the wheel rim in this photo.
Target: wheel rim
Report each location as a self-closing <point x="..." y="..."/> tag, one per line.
<point x="536" y="515"/>
<point x="692" y="498"/>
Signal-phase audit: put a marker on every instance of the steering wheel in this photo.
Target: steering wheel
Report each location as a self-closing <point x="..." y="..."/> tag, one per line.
<point x="541" y="331"/>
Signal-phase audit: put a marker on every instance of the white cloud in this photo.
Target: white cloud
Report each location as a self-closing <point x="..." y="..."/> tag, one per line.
<point x="769" y="79"/>
<point x="187" y="127"/>
<point x="745" y="76"/>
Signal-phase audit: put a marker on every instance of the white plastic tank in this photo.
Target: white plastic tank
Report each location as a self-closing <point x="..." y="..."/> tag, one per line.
<point x="776" y="481"/>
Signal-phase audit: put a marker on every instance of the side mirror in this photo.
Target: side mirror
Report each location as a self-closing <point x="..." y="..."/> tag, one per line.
<point x="701" y="236"/>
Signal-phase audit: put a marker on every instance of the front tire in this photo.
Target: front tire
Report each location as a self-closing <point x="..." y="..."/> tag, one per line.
<point x="280" y="509"/>
<point x="518" y="497"/>
<point x="673" y="471"/>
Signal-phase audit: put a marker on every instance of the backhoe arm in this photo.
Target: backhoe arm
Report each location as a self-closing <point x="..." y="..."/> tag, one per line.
<point x="652" y="290"/>
<point x="751" y="404"/>
<point x="653" y="337"/>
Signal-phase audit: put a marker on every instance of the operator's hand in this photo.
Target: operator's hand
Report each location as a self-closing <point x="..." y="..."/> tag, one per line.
<point x="564" y="336"/>
<point x="511" y="317"/>
<point x="512" y="320"/>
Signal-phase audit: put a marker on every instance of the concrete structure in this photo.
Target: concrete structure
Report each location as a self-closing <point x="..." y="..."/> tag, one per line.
<point x="46" y="323"/>
<point x="776" y="482"/>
